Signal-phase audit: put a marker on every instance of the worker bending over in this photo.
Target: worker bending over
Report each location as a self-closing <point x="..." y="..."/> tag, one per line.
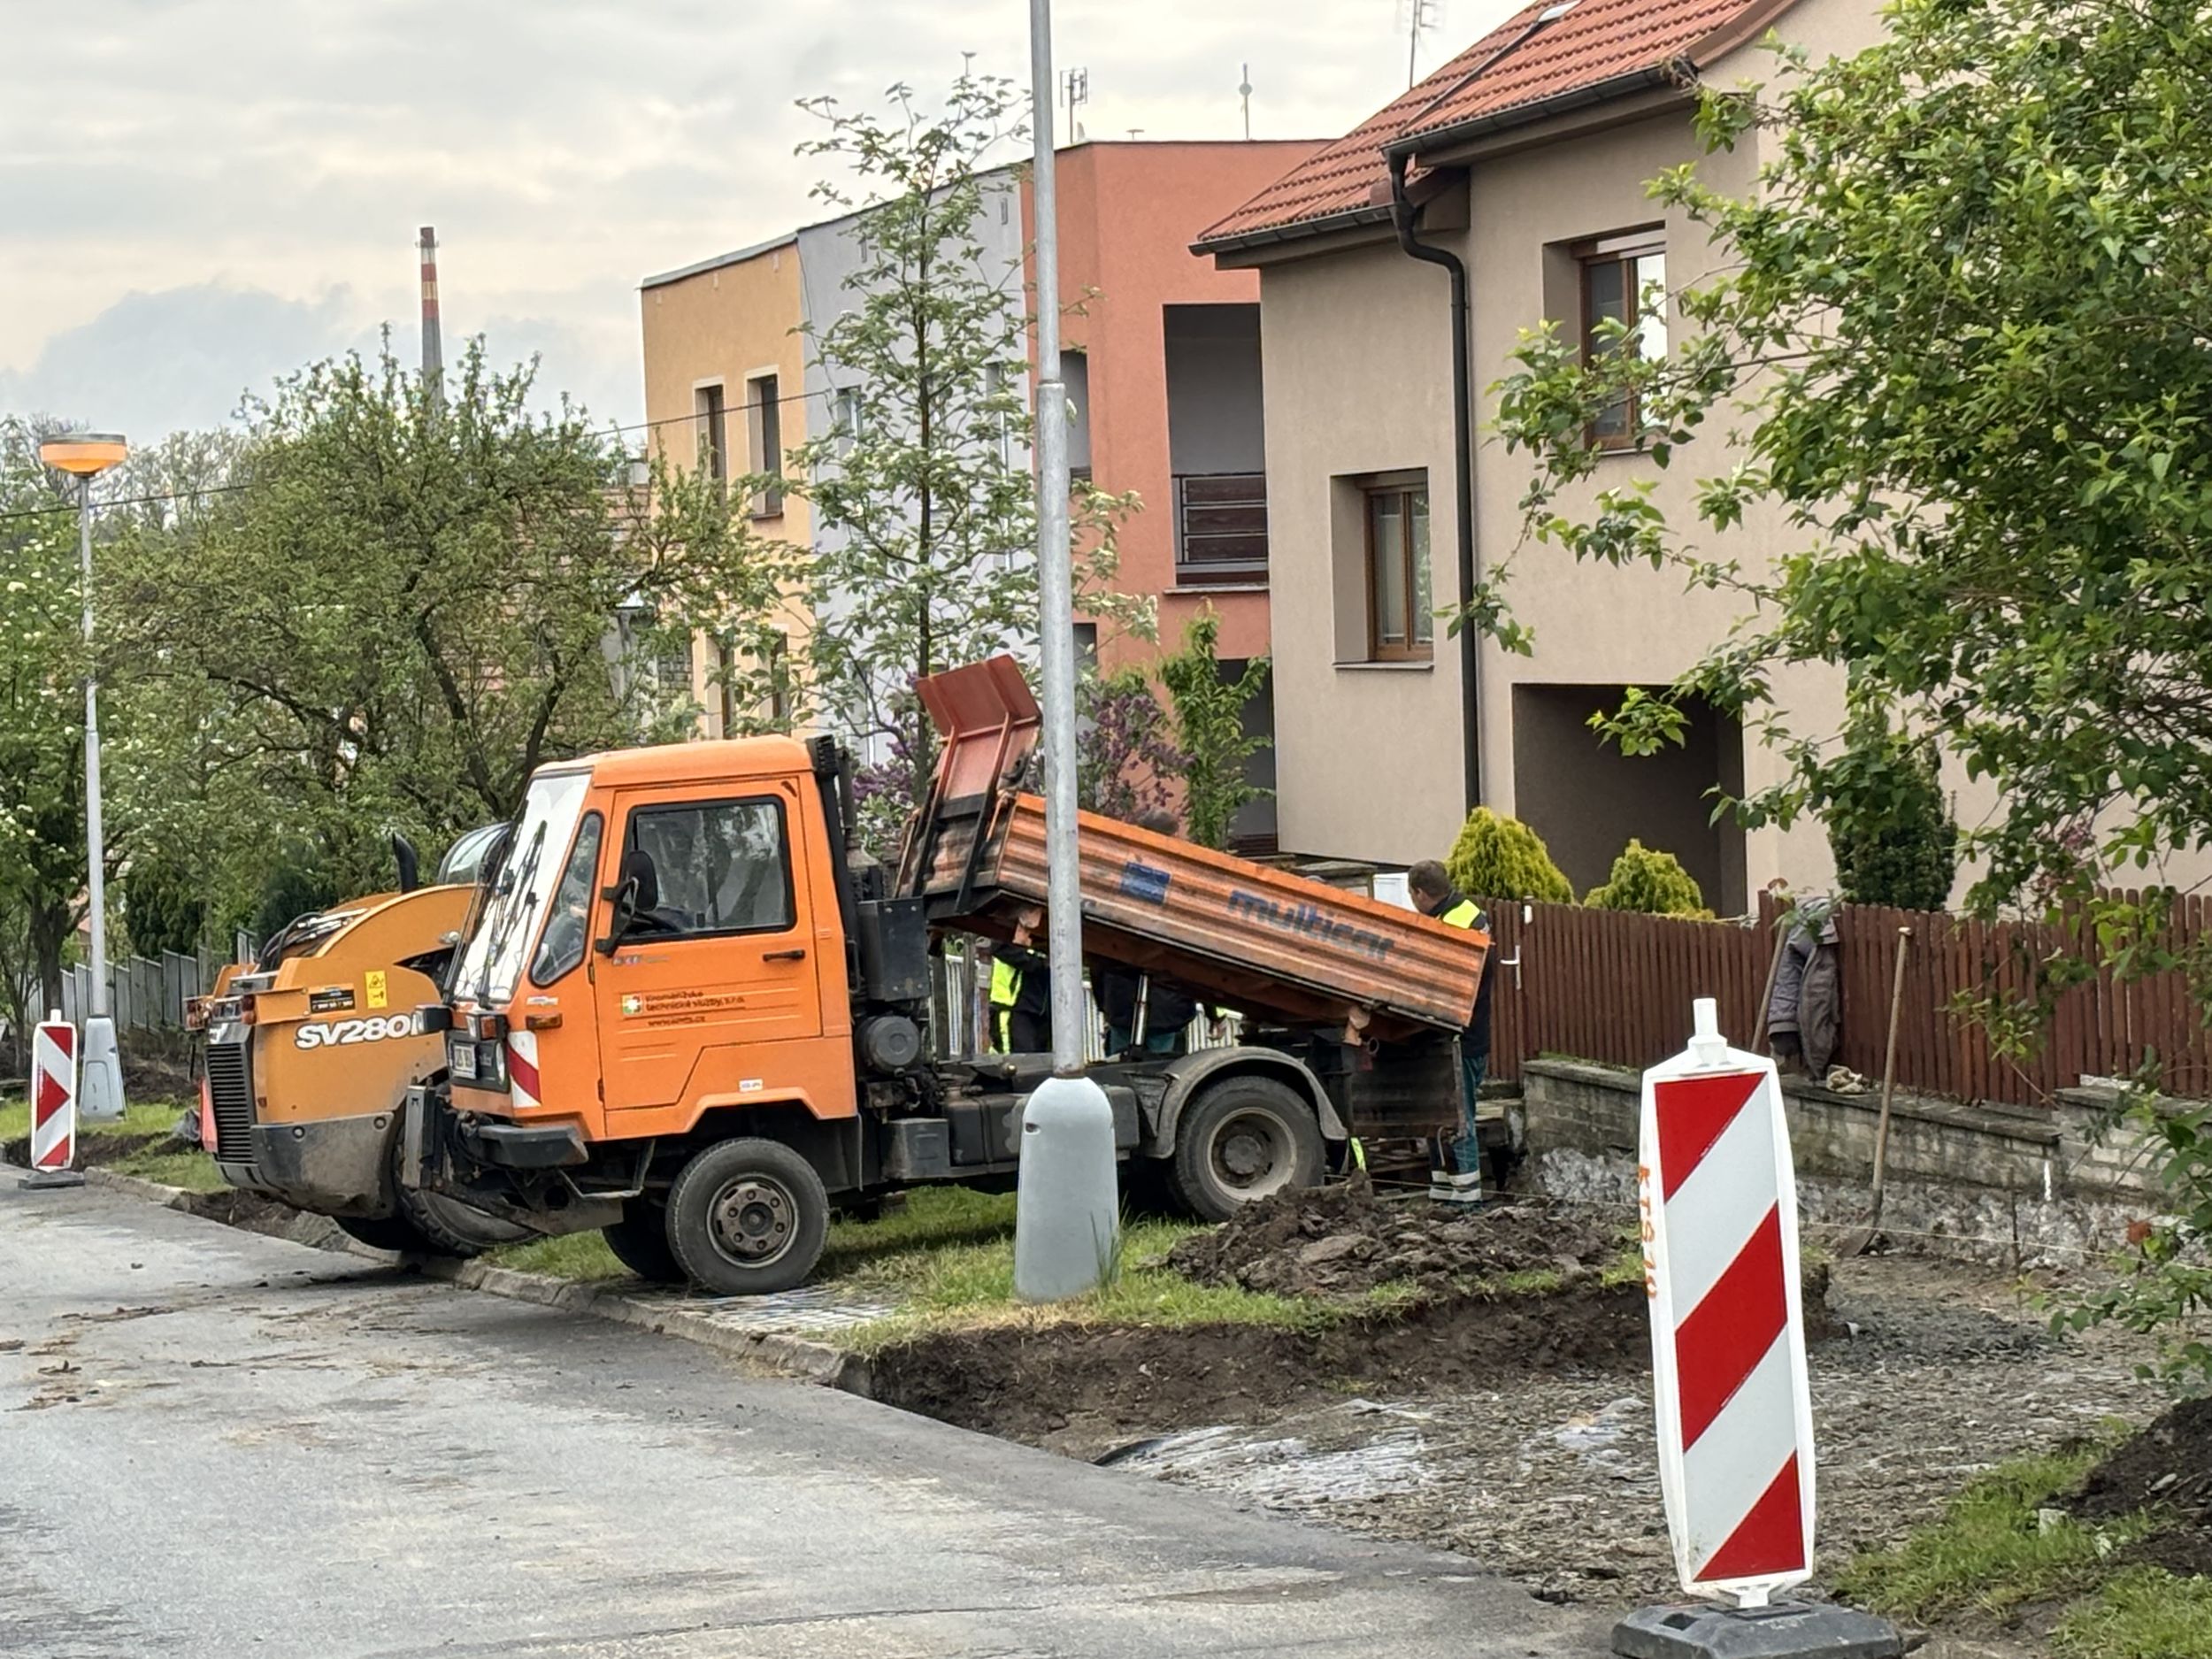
<point x="1458" y="1178"/>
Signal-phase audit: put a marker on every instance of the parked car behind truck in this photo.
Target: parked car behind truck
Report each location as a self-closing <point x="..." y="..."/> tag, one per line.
<point x="687" y="1013"/>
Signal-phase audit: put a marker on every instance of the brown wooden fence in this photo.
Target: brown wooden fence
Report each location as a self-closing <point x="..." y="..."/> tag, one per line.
<point x="1597" y="985"/>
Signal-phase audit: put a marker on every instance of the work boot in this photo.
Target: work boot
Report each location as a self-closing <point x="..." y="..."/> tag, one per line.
<point x="1463" y="1191"/>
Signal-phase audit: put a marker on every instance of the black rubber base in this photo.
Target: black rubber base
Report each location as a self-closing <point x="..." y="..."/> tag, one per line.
<point x="40" y="1179"/>
<point x="1787" y="1630"/>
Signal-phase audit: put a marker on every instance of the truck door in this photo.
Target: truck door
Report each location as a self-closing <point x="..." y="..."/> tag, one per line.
<point x="720" y="969"/>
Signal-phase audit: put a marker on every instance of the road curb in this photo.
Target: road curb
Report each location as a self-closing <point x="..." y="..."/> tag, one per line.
<point x="787" y="1356"/>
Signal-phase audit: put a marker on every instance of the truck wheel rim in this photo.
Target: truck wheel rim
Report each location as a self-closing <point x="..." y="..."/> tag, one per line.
<point x="1251" y="1155"/>
<point x="753" y="1221"/>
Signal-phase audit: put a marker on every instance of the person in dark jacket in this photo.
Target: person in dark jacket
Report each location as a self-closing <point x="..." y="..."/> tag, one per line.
<point x="1029" y="1021"/>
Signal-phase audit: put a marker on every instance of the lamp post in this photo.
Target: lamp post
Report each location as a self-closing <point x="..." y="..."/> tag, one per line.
<point x="84" y="456"/>
<point x="1067" y="1205"/>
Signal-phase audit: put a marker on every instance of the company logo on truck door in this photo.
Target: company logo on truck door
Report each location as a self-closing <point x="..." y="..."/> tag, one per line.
<point x="1306" y="919"/>
<point x="324" y="1033"/>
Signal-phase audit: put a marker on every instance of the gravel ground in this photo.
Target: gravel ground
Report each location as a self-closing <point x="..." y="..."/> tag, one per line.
<point x="1947" y="1369"/>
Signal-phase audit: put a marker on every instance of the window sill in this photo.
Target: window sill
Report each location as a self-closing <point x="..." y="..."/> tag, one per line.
<point x="770" y="516"/>
<point x="1200" y="589"/>
<point x="1414" y="667"/>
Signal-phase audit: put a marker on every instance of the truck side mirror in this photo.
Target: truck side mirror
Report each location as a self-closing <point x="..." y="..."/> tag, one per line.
<point x="637" y="890"/>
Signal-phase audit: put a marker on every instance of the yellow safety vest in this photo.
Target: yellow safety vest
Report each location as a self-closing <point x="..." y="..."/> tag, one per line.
<point x="1006" y="985"/>
<point x="1461" y="915"/>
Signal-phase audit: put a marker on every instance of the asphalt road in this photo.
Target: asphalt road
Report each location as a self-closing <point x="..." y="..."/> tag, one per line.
<point x="214" y="1444"/>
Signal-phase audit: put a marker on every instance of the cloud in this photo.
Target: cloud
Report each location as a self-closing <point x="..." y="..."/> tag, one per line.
<point x="203" y="196"/>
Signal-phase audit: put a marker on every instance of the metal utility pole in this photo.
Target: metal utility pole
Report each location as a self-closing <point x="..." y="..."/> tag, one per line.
<point x="1067" y="1209"/>
<point x="84" y="456"/>
<point x="433" y="348"/>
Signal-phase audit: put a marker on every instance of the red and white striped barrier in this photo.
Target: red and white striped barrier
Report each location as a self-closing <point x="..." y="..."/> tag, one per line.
<point x="1719" y="1208"/>
<point x="53" y="1096"/>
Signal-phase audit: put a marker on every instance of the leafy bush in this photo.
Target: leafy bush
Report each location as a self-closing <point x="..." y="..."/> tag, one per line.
<point x="1124" y="755"/>
<point x="1498" y="858"/>
<point x="1889" y="824"/>
<point x="1649" y="882"/>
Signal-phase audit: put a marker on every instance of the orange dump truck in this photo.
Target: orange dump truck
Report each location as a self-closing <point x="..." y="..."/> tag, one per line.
<point x="687" y="1013"/>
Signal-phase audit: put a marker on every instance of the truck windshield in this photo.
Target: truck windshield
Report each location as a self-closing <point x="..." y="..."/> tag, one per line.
<point x="509" y="915"/>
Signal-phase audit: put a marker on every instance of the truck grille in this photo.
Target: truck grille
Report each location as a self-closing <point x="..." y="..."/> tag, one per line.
<point x="230" y="1090"/>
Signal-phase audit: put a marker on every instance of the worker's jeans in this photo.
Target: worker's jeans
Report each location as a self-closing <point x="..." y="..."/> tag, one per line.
<point x="1466" y="1149"/>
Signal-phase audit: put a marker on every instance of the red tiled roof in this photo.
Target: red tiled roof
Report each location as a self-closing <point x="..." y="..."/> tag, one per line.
<point x="1523" y="62"/>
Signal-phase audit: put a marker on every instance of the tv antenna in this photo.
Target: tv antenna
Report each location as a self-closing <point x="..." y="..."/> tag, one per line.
<point x="1075" y="92"/>
<point x="1423" y="16"/>
<point x="1244" y="92"/>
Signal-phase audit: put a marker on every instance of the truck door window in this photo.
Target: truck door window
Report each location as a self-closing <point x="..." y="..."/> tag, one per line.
<point x="567" y="925"/>
<point x="723" y="866"/>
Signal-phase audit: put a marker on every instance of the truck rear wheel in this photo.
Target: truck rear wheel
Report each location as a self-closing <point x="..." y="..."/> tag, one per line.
<point x="748" y="1216"/>
<point x="1244" y="1139"/>
<point x="640" y="1242"/>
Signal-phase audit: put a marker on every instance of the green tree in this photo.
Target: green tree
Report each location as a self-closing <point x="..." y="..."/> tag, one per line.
<point x="162" y="908"/>
<point x="1209" y="732"/>
<point x="1650" y="882"/>
<point x="924" y="506"/>
<point x="1958" y="329"/>
<point x="407" y="604"/>
<point x="1889" y="823"/>
<point x="1499" y="857"/>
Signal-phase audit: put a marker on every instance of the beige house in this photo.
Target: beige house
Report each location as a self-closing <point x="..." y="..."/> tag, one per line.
<point x="1525" y="160"/>
<point x="724" y="372"/>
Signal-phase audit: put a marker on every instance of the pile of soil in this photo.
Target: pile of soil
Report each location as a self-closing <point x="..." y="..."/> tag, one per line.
<point x="1338" y="1243"/>
<point x="2166" y="1469"/>
<point x="1080" y="1389"/>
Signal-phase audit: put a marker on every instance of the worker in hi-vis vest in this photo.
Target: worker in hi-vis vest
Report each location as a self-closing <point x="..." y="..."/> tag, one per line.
<point x="1457" y="1177"/>
<point x="1006" y="986"/>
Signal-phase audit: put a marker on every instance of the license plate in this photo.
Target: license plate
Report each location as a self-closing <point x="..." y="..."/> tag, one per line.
<point x="462" y="1058"/>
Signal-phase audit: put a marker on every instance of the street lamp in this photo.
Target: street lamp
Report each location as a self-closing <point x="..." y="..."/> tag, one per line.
<point x="85" y="456"/>
<point x="1067" y="1205"/>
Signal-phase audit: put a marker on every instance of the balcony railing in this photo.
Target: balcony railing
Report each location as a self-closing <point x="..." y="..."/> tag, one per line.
<point x="1220" y="529"/>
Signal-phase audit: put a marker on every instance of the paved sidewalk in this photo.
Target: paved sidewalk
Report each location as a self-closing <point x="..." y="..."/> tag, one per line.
<point x="219" y="1443"/>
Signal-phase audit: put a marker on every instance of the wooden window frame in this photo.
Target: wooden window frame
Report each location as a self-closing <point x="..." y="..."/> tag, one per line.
<point x="1406" y="485"/>
<point x="1624" y="248"/>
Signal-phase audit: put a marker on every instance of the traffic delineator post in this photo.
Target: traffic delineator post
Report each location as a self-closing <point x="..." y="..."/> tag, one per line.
<point x="1717" y="1199"/>
<point x="53" y="1158"/>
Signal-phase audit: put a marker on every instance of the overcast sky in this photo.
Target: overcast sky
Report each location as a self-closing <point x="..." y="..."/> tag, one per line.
<point x="198" y="195"/>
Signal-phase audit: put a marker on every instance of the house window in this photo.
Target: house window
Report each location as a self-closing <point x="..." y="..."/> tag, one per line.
<point x="849" y="417"/>
<point x="1400" y="606"/>
<point x="1623" y="281"/>
<point x="707" y="418"/>
<point x="1001" y="430"/>
<point x="764" y="422"/>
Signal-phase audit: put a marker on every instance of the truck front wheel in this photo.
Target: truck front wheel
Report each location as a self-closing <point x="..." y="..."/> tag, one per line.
<point x="748" y="1216"/>
<point x="1243" y="1139"/>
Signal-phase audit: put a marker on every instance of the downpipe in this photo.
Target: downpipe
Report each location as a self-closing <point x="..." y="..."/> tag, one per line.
<point x="1404" y="217"/>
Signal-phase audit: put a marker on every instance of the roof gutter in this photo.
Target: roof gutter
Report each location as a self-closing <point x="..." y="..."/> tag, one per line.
<point x="1296" y="230"/>
<point x="1404" y="217"/>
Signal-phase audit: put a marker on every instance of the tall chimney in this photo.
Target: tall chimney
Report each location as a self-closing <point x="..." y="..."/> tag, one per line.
<point x="433" y="353"/>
